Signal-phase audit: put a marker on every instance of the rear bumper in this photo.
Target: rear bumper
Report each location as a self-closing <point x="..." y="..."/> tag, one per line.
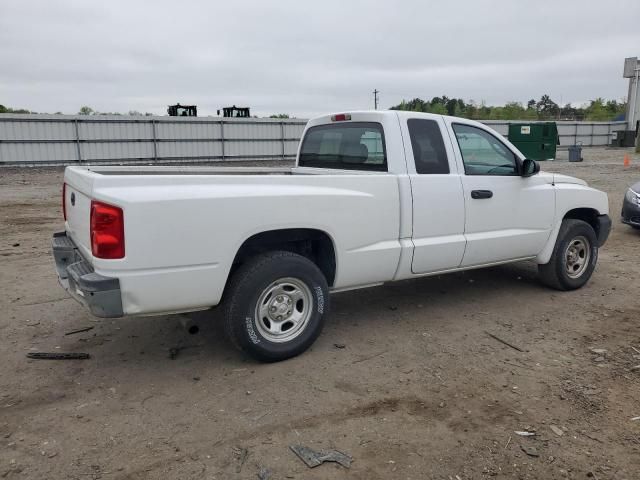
<point x="100" y="294"/>
<point x="604" y="228"/>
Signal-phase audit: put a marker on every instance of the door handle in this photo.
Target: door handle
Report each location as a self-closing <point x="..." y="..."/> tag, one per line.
<point x="479" y="194"/>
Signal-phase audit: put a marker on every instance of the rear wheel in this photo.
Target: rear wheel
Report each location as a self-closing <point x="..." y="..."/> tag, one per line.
<point x="275" y="305"/>
<point x="574" y="257"/>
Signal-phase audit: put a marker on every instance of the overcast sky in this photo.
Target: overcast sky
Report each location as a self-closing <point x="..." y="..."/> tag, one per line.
<point x="305" y="58"/>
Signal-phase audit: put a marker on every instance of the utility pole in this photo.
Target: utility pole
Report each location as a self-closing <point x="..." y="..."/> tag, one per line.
<point x="375" y="98"/>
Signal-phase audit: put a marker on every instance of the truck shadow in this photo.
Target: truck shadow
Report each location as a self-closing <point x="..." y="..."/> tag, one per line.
<point x="163" y="340"/>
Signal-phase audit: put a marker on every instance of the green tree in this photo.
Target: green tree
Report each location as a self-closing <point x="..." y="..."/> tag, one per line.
<point x="547" y="108"/>
<point x="483" y="111"/>
<point x="415" y="105"/>
<point x="4" y="109"/>
<point x="460" y="110"/>
<point x="279" y="115"/>
<point x="471" y="110"/>
<point x="85" y="110"/>
<point x="513" y="111"/>
<point x="597" y="111"/>
<point x="616" y="108"/>
<point x="438" y="108"/>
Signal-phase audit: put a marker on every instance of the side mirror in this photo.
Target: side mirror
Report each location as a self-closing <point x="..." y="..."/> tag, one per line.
<point x="530" y="167"/>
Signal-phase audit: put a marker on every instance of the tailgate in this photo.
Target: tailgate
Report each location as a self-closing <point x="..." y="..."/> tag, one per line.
<point x="77" y="201"/>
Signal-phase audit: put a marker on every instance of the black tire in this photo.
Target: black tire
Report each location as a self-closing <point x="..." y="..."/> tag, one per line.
<point x="555" y="274"/>
<point x="258" y="277"/>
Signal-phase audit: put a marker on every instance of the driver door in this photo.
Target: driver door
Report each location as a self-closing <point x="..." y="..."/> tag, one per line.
<point x="507" y="216"/>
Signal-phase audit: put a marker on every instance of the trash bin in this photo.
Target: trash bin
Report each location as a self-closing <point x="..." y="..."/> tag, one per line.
<point x="537" y="141"/>
<point x="575" y="153"/>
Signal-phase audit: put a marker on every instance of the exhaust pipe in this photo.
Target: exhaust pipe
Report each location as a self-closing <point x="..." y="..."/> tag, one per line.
<point x="189" y="325"/>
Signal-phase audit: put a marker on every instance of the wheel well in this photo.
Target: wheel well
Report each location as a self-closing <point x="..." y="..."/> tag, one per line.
<point x="588" y="215"/>
<point x="316" y="245"/>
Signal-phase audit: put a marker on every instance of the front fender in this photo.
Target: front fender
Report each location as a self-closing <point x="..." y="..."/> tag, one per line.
<point x="571" y="196"/>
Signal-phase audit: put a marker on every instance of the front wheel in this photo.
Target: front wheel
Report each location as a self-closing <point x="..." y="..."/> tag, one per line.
<point x="574" y="257"/>
<point x="275" y="305"/>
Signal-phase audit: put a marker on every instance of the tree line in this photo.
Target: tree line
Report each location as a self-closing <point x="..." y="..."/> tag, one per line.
<point x="543" y="109"/>
<point x="86" y="110"/>
<point x="4" y="109"/>
<point x="83" y="111"/>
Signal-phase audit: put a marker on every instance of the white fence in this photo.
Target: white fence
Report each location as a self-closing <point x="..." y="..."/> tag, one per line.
<point x="66" y="139"/>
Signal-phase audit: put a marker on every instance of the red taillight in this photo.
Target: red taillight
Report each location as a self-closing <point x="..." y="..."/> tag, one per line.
<point x="341" y="117"/>
<point x="107" y="231"/>
<point x="64" y="201"/>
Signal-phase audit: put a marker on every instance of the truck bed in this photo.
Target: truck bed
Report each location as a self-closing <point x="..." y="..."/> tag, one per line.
<point x="184" y="225"/>
<point x="188" y="170"/>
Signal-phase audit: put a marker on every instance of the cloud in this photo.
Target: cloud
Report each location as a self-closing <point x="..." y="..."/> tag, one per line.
<point x="306" y="58"/>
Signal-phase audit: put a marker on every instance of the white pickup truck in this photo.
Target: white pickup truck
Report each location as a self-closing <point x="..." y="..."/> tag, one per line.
<point x="374" y="197"/>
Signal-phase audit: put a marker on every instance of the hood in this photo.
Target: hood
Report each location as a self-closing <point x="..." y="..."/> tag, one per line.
<point x="636" y="187"/>
<point x="558" y="178"/>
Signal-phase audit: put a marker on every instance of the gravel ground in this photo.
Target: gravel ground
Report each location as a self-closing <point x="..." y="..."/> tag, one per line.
<point x="404" y="378"/>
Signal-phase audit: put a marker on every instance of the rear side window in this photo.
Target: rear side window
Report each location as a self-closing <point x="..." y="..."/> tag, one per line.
<point x="428" y="147"/>
<point x="352" y="146"/>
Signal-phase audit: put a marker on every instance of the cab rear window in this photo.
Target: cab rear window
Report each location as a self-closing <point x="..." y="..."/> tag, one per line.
<point x="350" y="146"/>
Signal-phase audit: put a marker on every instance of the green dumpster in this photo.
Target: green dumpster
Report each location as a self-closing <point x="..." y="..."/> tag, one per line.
<point x="537" y="141"/>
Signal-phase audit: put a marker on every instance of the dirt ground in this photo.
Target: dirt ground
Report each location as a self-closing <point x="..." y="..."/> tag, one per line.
<point x="404" y="378"/>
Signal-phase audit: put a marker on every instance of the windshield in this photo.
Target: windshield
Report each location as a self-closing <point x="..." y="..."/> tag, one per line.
<point x="351" y="146"/>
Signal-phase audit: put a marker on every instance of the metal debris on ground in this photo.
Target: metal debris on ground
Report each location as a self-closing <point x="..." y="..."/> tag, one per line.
<point x="58" y="356"/>
<point x="530" y="450"/>
<point x="262" y="415"/>
<point x="505" y="342"/>
<point x="370" y="357"/>
<point x="241" y="455"/>
<point x="79" y="330"/>
<point x="264" y="474"/>
<point x="635" y="418"/>
<point x="525" y="433"/>
<point x="558" y="431"/>
<point x="313" y="458"/>
<point x="174" y="351"/>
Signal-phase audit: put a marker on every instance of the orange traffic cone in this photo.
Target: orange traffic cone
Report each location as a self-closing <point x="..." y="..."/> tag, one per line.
<point x="627" y="160"/>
